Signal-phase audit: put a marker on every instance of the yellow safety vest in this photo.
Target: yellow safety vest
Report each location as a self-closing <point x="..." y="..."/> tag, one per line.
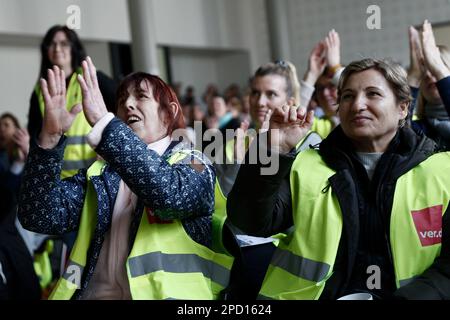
<point x="164" y="263"/>
<point x="42" y="265"/>
<point x="77" y="154"/>
<point x="303" y="261"/>
<point x="322" y="126"/>
<point x="220" y="206"/>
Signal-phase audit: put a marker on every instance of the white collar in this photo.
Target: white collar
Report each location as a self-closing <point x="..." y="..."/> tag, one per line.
<point x="160" y="146"/>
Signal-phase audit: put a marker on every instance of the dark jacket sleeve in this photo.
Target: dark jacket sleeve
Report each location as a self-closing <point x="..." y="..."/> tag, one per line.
<point x="175" y="191"/>
<point x="434" y="283"/>
<point x="258" y="204"/>
<point x="48" y="204"/>
<point x="443" y="86"/>
<point x="108" y="89"/>
<point x="34" y="117"/>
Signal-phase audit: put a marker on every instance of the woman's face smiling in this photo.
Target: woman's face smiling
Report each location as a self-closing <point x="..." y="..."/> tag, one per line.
<point x="369" y="111"/>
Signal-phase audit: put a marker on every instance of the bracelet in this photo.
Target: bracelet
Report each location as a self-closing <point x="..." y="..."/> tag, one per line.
<point x="332" y="70"/>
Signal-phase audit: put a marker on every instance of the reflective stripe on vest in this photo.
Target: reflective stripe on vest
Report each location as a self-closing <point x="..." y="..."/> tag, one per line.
<point x="77" y="154"/>
<point x="304" y="261"/>
<point x="164" y="263"/>
<point x="218" y="219"/>
<point x="178" y="263"/>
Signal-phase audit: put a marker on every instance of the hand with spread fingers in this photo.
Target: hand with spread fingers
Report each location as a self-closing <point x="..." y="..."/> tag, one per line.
<point x="432" y="56"/>
<point x="93" y="104"/>
<point x="57" y="119"/>
<point x="288" y="126"/>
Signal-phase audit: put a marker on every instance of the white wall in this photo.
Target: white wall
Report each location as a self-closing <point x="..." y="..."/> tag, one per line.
<point x="197" y="68"/>
<point x="100" y="19"/>
<point x="19" y="65"/>
<point x="310" y="21"/>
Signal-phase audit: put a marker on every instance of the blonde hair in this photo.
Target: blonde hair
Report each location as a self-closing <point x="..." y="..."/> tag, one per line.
<point x="421" y="102"/>
<point x="285" y="69"/>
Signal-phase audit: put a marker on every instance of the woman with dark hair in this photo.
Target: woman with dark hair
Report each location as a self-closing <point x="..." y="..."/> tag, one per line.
<point x="61" y="47"/>
<point x="142" y="212"/>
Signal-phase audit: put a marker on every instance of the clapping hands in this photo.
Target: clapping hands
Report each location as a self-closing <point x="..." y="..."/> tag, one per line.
<point x="325" y="53"/>
<point x="431" y="53"/>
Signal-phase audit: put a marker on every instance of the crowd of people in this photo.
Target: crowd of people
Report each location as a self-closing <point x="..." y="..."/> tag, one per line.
<point x="106" y="200"/>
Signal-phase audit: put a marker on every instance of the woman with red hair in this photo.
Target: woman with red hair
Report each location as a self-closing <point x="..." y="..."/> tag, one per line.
<point x="142" y="211"/>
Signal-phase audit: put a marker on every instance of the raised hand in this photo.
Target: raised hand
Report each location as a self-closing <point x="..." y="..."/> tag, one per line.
<point x="288" y="126"/>
<point x="93" y="104"/>
<point x="316" y="63"/>
<point x="415" y="70"/>
<point x="57" y="120"/>
<point x="333" y="46"/>
<point x="432" y="56"/>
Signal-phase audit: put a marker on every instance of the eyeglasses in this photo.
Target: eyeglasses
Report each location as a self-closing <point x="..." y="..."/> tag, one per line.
<point x="322" y="87"/>
<point x="62" y="44"/>
<point x="281" y="63"/>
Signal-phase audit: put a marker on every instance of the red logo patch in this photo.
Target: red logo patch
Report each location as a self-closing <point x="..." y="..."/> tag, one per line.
<point x="152" y="219"/>
<point x="428" y="223"/>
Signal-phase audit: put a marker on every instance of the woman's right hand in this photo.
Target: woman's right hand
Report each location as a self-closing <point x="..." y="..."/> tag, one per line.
<point x="57" y="120"/>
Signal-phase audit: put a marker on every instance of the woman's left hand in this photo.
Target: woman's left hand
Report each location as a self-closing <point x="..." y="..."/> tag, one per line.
<point x="433" y="60"/>
<point x="93" y="104"/>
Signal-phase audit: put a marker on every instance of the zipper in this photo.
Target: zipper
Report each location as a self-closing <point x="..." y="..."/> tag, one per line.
<point x="380" y="211"/>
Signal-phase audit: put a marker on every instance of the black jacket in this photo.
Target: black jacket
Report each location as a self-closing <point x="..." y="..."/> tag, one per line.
<point x="261" y="205"/>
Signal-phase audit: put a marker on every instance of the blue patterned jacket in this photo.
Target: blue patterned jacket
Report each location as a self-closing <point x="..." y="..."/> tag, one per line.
<point x="53" y="206"/>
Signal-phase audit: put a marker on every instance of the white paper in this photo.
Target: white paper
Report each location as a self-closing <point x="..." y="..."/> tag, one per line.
<point x="246" y="241"/>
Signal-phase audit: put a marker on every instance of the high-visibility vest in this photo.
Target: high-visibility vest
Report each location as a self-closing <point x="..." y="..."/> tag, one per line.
<point x="42" y="265"/>
<point x="220" y="207"/>
<point x="322" y="126"/>
<point x="303" y="262"/>
<point x="164" y="263"/>
<point x="77" y="154"/>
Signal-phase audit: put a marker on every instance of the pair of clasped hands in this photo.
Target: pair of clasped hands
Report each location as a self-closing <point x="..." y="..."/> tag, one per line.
<point x="57" y="119"/>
